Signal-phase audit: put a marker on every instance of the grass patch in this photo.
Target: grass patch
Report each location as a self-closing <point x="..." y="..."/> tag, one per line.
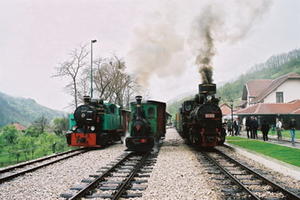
<point x="282" y="153"/>
<point x="234" y="138"/>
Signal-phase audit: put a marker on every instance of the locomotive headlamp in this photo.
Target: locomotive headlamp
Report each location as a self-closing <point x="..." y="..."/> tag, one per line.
<point x="93" y="128"/>
<point x="74" y="128"/>
<point x="209" y="97"/>
<point x="82" y="115"/>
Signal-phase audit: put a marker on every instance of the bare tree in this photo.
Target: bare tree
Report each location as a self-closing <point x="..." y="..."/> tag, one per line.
<point x="111" y="81"/>
<point x="83" y="84"/>
<point x="71" y="69"/>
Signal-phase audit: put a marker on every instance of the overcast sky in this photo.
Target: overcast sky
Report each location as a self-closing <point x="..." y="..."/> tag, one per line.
<point x="37" y="35"/>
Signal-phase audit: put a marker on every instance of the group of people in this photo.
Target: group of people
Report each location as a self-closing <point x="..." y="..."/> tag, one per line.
<point x="279" y="128"/>
<point x="252" y="127"/>
<point x="233" y="128"/>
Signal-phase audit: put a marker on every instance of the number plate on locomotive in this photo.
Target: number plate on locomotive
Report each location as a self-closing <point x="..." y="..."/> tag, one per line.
<point x="209" y="115"/>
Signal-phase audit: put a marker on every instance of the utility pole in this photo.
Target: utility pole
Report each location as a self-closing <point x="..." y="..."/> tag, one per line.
<point x="92" y="41"/>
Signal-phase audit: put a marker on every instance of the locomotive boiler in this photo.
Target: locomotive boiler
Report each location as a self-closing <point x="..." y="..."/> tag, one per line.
<point x="199" y="120"/>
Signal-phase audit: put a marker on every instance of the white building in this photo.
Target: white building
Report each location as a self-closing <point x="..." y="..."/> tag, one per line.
<point x="281" y="90"/>
<point x="270" y="99"/>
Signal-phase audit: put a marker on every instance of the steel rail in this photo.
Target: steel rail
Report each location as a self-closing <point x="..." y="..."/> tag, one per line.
<point x="122" y="188"/>
<point x="9" y="177"/>
<point x="287" y="193"/>
<point x="95" y="182"/>
<point x="227" y="173"/>
<point x="23" y="164"/>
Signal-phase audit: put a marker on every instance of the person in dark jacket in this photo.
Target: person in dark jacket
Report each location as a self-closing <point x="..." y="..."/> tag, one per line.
<point x="236" y="127"/>
<point x="265" y="130"/>
<point x="254" y="127"/>
<point x="248" y="124"/>
<point x="292" y="126"/>
<point x="229" y="127"/>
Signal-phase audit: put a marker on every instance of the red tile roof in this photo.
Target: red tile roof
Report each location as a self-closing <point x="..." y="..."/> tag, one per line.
<point x="225" y="108"/>
<point x="296" y="111"/>
<point x="255" y="87"/>
<point x="273" y="85"/>
<point x="272" y="108"/>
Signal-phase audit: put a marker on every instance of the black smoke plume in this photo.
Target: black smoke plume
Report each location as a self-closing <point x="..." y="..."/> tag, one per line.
<point x="219" y="23"/>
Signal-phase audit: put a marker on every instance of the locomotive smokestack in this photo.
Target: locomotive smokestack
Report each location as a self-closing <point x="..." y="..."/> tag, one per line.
<point x="205" y="90"/>
<point x="138" y="99"/>
<point x="86" y="99"/>
<point x="138" y="107"/>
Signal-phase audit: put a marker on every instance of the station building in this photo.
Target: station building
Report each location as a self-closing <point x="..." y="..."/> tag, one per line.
<point x="269" y="99"/>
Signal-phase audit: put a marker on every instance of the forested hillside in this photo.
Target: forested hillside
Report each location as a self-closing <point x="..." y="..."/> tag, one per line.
<point x="274" y="67"/>
<point x="22" y="110"/>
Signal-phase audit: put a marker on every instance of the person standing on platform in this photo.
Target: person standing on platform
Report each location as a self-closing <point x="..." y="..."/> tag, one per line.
<point x="255" y="127"/>
<point x="229" y="127"/>
<point x="236" y="127"/>
<point x="278" y="129"/>
<point x="251" y="127"/>
<point x="265" y="130"/>
<point x="292" y="127"/>
<point x="248" y="124"/>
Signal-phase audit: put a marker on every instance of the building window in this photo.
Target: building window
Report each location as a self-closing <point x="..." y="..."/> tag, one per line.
<point x="279" y="97"/>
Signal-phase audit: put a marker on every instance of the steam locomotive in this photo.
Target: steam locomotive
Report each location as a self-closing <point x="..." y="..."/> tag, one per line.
<point x="199" y="120"/>
<point x="147" y="125"/>
<point x="96" y="124"/>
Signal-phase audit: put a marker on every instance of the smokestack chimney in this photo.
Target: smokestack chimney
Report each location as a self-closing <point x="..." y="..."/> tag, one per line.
<point x="86" y="99"/>
<point x="138" y="107"/>
<point x="138" y="99"/>
<point x="205" y="90"/>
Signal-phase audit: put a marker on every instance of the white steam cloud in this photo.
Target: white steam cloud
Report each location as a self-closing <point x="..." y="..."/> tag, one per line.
<point x="158" y="48"/>
<point x="155" y="46"/>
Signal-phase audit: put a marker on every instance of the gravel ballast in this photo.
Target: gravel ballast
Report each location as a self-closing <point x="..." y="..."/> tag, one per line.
<point x="288" y="182"/>
<point x="178" y="174"/>
<point x="51" y="181"/>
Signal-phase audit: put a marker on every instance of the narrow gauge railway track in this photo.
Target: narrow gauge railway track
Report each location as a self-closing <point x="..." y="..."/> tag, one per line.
<point x="9" y="173"/>
<point x="123" y="178"/>
<point x="241" y="182"/>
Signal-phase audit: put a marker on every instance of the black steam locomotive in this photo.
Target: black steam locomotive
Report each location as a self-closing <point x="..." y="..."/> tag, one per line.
<point x="147" y="124"/>
<point x="199" y="121"/>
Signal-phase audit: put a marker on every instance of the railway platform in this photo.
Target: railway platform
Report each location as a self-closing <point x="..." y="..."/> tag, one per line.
<point x="273" y="139"/>
<point x="269" y="162"/>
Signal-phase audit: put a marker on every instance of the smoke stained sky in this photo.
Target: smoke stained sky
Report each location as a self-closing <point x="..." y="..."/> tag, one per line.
<point x="37" y="35"/>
